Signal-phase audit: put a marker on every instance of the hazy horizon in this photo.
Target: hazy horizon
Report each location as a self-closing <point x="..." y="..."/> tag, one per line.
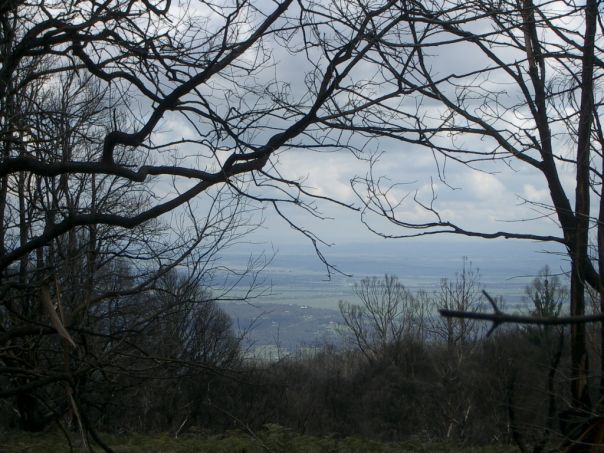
<point x="297" y="276"/>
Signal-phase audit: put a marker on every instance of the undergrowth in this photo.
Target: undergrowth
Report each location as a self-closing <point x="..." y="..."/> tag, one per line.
<point x="272" y="439"/>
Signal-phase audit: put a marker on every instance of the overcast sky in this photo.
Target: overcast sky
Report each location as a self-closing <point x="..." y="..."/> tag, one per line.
<point x="489" y="199"/>
<point x="481" y="201"/>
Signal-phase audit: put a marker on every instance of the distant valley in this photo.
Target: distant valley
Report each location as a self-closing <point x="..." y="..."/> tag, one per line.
<point x="275" y="330"/>
<point x="300" y="306"/>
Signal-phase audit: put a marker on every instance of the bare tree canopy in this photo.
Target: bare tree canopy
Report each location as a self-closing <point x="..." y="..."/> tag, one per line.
<point x="137" y="139"/>
<point x="527" y="94"/>
<point x="140" y="136"/>
<point x="112" y="115"/>
<point x="387" y="315"/>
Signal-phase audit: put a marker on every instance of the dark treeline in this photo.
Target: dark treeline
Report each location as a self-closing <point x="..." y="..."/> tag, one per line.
<point x="405" y="373"/>
<point x="410" y="374"/>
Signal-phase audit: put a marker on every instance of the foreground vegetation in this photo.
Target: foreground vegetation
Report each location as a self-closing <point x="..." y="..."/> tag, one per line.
<point x="272" y="438"/>
<point x="406" y="381"/>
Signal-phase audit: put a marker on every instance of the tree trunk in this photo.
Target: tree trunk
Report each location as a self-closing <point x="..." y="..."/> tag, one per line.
<point x="580" y="362"/>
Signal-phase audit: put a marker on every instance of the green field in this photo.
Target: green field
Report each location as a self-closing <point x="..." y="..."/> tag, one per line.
<point x="272" y="439"/>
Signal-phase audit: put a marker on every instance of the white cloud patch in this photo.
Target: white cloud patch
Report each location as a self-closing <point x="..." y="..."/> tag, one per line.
<point x="531" y="193"/>
<point x="178" y="129"/>
<point x="323" y="174"/>
<point x="485" y="186"/>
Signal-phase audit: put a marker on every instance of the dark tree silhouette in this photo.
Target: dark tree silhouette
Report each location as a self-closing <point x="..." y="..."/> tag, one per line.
<point x="528" y="95"/>
<point x="138" y="138"/>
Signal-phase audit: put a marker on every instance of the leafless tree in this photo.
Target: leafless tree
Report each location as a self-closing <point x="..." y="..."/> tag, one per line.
<point x="461" y="294"/>
<point x="98" y="202"/>
<point x="527" y="95"/>
<point x="458" y="337"/>
<point x="203" y="68"/>
<point x="387" y="315"/>
<point x="547" y="295"/>
<point x="114" y="190"/>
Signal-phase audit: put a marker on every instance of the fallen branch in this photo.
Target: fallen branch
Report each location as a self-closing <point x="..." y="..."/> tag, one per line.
<point x="498" y="317"/>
